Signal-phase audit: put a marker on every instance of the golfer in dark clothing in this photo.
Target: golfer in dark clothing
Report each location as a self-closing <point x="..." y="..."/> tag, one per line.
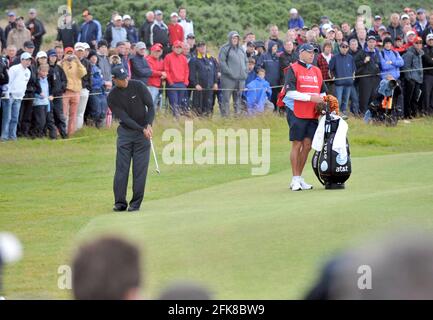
<point x="131" y="102"/>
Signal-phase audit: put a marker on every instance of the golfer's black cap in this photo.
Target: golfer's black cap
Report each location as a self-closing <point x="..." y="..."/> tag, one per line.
<point x="307" y="47"/>
<point x="119" y="73"/>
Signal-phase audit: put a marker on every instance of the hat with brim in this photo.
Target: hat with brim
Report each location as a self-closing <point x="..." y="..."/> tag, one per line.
<point x="156" y="47"/>
<point x="178" y="44"/>
<point x="119" y="73"/>
<point x="429" y="36"/>
<point x="26" y="56"/>
<point x="140" y="45"/>
<point x="308" y="48"/>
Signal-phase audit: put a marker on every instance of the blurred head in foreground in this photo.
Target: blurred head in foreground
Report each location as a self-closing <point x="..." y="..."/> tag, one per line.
<point x="398" y="267"/>
<point x="106" y="269"/>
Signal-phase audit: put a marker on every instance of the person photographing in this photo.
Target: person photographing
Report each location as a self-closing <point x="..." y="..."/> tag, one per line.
<point x="305" y="89"/>
<point x="132" y="103"/>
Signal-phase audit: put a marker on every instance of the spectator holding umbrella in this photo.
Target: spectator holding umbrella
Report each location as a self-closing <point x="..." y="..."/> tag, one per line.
<point x="36" y="28"/>
<point x="295" y="20"/>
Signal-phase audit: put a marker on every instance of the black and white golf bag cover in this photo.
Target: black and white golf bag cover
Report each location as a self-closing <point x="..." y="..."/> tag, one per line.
<point x="331" y="168"/>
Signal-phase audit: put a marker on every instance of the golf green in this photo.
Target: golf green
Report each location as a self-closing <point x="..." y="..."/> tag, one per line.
<point x="253" y="239"/>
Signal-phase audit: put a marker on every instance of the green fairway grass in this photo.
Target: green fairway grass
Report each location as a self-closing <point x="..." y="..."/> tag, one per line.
<point x="244" y="236"/>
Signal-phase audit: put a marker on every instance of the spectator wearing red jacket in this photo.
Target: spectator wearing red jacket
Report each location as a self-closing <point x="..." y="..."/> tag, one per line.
<point x="156" y="64"/>
<point x="176" y="67"/>
<point x="175" y="30"/>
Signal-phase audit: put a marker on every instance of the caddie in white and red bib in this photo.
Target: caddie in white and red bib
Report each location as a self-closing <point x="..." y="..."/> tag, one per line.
<point x="304" y="88"/>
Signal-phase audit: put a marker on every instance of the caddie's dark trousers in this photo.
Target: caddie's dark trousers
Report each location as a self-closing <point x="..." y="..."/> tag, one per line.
<point x="131" y="145"/>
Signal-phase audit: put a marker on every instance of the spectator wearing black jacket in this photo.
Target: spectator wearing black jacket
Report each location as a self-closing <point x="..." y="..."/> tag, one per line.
<point x="57" y="81"/>
<point x="12" y="17"/>
<point x="288" y="57"/>
<point x="367" y="62"/>
<point x="26" y="111"/>
<point x="36" y="28"/>
<point x="395" y="28"/>
<point x="427" y="64"/>
<point x="2" y="39"/>
<point x="203" y="77"/>
<point x="159" y="32"/>
<point x="428" y="29"/>
<point x="140" y="69"/>
<point x="4" y="79"/>
<point x="145" y="28"/>
<point x="68" y="32"/>
<point x="131" y="30"/>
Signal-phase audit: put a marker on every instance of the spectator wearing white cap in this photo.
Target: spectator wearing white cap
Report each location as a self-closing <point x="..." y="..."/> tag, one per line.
<point x="175" y="30"/>
<point x="116" y="33"/>
<point x="187" y="24"/>
<point x="404" y="20"/>
<point x="19" y="76"/>
<point x="36" y="28"/>
<point x="131" y="30"/>
<point x="295" y="20"/>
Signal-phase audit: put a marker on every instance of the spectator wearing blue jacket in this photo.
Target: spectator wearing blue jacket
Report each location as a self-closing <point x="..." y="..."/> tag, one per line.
<point x="131" y="30"/>
<point x="91" y="31"/>
<point x="295" y="20"/>
<point x="342" y="67"/>
<point x="270" y="61"/>
<point x="97" y="97"/>
<point x="258" y="93"/>
<point x="390" y="60"/>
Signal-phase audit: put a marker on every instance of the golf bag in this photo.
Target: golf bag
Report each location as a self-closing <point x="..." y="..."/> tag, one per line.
<point x="332" y="169"/>
<point x="384" y="108"/>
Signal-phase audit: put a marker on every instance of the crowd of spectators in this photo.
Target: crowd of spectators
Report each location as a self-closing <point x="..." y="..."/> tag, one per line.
<point x="247" y="73"/>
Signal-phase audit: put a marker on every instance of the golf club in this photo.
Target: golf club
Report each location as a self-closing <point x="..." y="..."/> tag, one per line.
<point x="154" y="156"/>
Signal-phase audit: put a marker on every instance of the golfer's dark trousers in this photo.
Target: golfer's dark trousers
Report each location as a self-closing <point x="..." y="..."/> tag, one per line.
<point x="131" y="146"/>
